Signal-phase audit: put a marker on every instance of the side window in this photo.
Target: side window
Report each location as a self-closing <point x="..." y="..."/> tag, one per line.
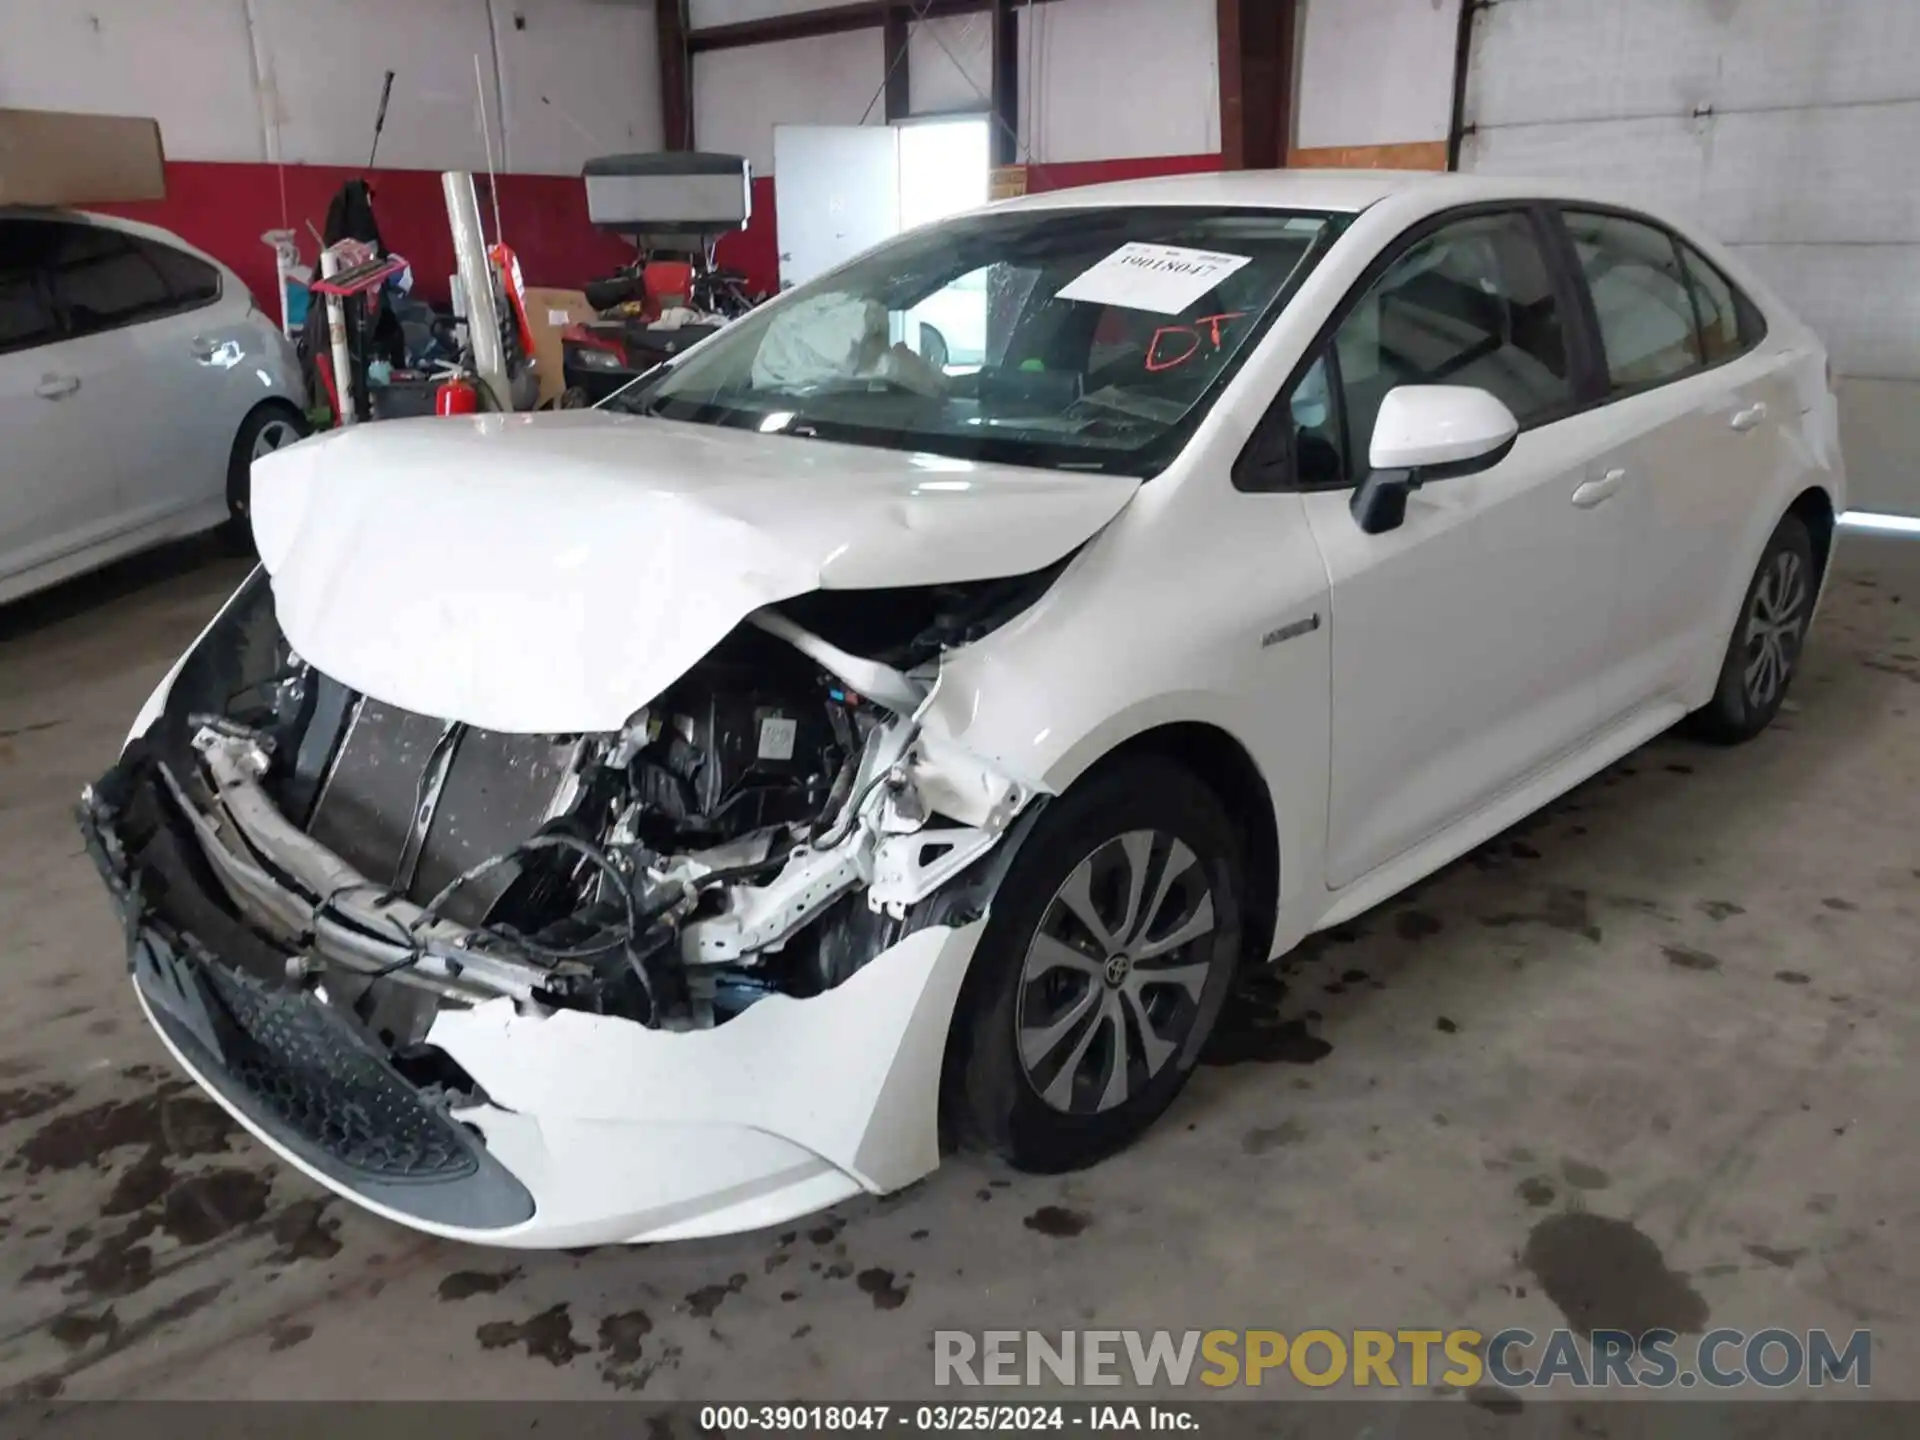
<point x="1319" y="448"/>
<point x="191" y="283"/>
<point x="102" y="279"/>
<point x="1640" y="297"/>
<point x="27" y="317"/>
<point x="1730" y="323"/>
<point x="1473" y="303"/>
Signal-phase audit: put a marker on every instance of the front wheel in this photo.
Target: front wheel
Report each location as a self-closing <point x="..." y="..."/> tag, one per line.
<point x="1764" y="651"/>
<point x="1110" y="949"/>
<point x="271" y="426"/>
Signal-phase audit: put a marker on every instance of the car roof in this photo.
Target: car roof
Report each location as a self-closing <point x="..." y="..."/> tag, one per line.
<point x="1336" y="191"/>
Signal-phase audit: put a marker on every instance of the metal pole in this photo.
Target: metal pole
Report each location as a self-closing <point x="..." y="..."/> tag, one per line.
<point x="486" y="134"/>
<point x="476" y="278"/>
<point x="347" y="411"/>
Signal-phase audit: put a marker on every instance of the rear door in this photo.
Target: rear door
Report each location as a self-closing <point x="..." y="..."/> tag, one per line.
<point x="1696" y="404"/>
<point x="146" y="371"/>
<point x="1465" y="642"/>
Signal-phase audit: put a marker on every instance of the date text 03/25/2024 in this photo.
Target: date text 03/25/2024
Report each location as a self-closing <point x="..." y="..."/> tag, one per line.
<point x="962" y="1418"/>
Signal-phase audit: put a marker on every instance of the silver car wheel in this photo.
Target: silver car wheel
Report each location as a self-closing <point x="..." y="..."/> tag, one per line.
<point x="1774" y="626"/>
<point x="1111" y="984"/>
<point x="274" y="435"/>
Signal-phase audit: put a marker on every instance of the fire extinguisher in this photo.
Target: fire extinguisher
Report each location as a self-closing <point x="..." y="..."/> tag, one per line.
<point x="456" y="395"/>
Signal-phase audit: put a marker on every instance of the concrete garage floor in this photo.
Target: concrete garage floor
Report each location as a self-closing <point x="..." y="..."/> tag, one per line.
<point x="1644" y="1059"/>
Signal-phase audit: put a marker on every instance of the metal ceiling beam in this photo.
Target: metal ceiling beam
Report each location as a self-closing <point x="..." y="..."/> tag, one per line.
<point x="1256" y="82"/>
<point x="830" y="20"/>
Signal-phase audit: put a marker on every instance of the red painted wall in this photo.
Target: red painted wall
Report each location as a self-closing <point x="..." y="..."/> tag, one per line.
<point x="225" y="208"/>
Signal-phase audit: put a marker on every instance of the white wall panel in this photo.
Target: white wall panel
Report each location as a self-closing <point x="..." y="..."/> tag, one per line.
<point x="739" y="95"/>
<point x="950" y="64"/>
<point x="1878" y="429"/>
<point x="1116" y="78"/>
<point x="578" y="80"/>
<point x="1543" y="60"/>
<point x="325" y="64"/>
<point x="298" y="81"/>
<point x="1773" y="177"/>
<point x="187" y="63"/>
<point x="1864" y="300"/>
<point x="1100" y="79"/>
<point x="1790" y="130"/>
<point x="1374" y="72"/>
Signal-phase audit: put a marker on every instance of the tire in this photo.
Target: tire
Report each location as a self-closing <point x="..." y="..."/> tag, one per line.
<point x="1039" y="973"/>
<point x="1763" y="652"/>
<point x="268" y="427"/>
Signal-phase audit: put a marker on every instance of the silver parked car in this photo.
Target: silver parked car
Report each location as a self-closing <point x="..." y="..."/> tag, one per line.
<point x="138" y="381"/>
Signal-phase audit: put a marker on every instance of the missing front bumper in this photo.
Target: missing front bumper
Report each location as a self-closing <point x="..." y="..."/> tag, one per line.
<point x="593" y="1129"/>
<point x="291" y="1069"/>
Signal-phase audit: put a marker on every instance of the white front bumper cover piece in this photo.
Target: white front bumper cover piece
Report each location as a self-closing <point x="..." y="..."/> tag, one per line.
<point x="622" y="1134"/>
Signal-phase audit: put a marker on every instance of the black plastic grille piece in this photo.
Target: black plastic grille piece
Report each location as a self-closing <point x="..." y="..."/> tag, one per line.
<point x="330" y="1089"/>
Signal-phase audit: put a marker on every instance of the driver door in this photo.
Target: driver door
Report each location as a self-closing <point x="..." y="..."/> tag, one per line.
<point x="1467" y="641"/>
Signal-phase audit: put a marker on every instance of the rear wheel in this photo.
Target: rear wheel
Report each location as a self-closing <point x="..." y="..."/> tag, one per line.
<point x="271" y="426"/>
<point x="1763" y="653"/>
<point x="1108" y="954"/>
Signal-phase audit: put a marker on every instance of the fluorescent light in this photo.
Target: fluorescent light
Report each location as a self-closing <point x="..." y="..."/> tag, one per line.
<point x="1869" y="520"/>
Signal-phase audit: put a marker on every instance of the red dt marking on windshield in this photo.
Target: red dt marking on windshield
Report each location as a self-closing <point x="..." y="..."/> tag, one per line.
<point x="1157" y="357"/>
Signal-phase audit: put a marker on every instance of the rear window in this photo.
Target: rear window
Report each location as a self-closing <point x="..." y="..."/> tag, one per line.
<point x="1641" y="298"/>
<point x="1730" y="323"/>
<point x="190" y="282"/>
<point x="100" y="278"/>
<point x="103" y="280"/>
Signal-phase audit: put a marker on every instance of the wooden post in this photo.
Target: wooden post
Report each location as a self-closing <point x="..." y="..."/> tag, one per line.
<point x="676" y="75"/>
<point x="1256" y="82"/>
<point x="895" y="29"/>
<point x="1006" y="83"/>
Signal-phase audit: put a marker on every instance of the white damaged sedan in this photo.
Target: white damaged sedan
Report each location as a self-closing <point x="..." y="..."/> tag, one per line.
<point x="670" y="819"/>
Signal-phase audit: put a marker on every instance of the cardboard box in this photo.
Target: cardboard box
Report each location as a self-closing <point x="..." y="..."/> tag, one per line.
<point x="48" y="157"/>
<point x="548" y="313"/>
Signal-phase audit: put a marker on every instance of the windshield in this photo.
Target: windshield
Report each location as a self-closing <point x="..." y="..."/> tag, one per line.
<point x="1070" y="339"/>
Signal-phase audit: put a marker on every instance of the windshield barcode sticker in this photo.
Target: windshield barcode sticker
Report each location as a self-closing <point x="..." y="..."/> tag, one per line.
<point x="1166" y="279"/>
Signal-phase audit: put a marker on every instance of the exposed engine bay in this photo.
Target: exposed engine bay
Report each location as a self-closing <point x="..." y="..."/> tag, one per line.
<point x="768" y="824"/>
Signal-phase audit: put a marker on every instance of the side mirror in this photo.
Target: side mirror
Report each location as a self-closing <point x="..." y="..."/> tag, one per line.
<point x="1428" y="432"/>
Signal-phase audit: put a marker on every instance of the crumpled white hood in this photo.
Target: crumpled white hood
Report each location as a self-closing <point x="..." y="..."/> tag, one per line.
<point x="555" y="572"/>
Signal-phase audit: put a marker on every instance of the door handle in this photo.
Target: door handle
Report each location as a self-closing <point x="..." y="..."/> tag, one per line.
<point x="56" y="387"/>
<point x="1594" y="491"/>
<point x="1748" y="418"/>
